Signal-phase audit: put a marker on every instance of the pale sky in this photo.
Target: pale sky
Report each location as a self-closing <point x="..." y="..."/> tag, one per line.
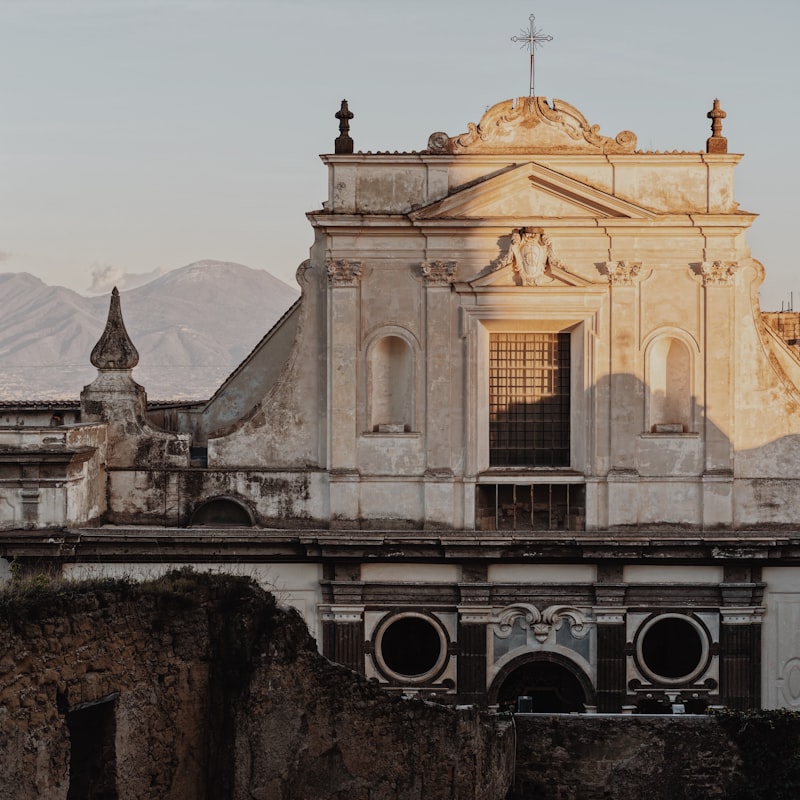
<point x="138" y="136"/>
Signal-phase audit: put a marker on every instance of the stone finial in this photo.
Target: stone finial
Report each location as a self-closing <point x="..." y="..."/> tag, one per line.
<point x="343" y="144"/>
<point x="114" y="349"/>
<point x="716" y="143"/>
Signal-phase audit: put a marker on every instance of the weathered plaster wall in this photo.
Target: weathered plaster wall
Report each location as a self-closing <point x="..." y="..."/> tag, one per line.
<point x="168" y="497"/>
<point x="217" y="693"/>
<point x="286" y="427"/>
<point x="52" y="476"/>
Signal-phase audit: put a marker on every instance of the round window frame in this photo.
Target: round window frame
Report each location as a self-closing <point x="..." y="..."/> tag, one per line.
<point x="397" y="677"/>
<point x="702" y="663"/>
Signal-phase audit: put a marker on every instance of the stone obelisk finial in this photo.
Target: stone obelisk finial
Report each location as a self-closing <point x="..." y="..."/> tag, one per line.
<point x="114" y="349"/>
<point x="344" y="144"/>
<point x="716" y="143"/>
<point x="114" y="396"/>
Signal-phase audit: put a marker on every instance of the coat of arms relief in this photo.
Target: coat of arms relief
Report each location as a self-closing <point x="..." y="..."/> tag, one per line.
<point x="531" y="256"/>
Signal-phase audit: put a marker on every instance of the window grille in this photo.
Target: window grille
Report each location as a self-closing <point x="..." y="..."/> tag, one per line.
<point x="529" y="399"/>
<point x="531" y="507"/>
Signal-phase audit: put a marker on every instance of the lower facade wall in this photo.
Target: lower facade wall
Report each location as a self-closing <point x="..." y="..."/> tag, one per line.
<point x="625" y="757"/>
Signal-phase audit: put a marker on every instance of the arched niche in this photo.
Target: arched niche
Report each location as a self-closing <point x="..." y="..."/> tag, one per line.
<point x="390" y="384"/>
<point x="670" y="404"/>
<point x="222" y="511"/>
<point x="561" y="685"/>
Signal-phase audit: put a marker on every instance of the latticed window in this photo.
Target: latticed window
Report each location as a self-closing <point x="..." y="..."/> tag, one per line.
<point x="529" y="399"/>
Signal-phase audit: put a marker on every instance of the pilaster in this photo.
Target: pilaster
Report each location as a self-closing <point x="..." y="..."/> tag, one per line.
<point x="611" y="660"/>
<point x="625" y="393"/>
<point x="343" y="635"/>
<point x="740" y="656"/>
<point x="719" y="346"/>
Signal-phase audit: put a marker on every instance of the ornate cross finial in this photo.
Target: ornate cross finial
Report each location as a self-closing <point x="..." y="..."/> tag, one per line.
<point x="343" y="143"/>
<point x="716" y="143"/>
<point x="531" y="39"/>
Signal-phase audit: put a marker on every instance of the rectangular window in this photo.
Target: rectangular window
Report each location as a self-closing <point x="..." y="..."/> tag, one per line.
<point x="531" y="507"/>
<point x="529" y="404"/>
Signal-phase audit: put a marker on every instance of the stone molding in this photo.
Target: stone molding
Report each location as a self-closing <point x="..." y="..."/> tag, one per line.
<point x="342" y="272"/>
<point x="609" y="616"/>
<point x="718" y="273"/>
<point x="540" y="622"/>
<point x="622" y="273"/>
<point x="747" y="615"/>
<point x="438" y="273"/>
<point x="474" y="615"/>
<point x="350" y="614"/>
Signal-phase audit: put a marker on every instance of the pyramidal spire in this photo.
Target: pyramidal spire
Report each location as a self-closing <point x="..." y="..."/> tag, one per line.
<point x="114" y="349"/>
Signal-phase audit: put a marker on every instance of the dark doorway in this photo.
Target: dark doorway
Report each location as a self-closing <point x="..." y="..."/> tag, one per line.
<point x="552" y="688"/>
<point x="93" y="758"/>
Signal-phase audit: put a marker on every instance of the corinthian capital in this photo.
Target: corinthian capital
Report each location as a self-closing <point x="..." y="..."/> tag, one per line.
<point x="718" y="273"/>
<point x="622" y="273"/>
<point x="438" y="273"/>
<point x="342" y="272"/>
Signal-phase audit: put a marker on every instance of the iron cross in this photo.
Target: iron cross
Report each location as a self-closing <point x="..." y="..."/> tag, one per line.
<point x="531" y="39"/>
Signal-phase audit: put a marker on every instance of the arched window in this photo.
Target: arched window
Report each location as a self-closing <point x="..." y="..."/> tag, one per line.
<point x="670" y="386"/>
<point x="391" y="385"/>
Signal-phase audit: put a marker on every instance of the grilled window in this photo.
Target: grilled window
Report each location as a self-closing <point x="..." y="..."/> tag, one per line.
<point x="531" y="507"/>
<point x="529" y="399"/>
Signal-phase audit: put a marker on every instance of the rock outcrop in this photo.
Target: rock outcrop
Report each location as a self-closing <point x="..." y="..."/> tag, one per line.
<point x="199" y="686"/>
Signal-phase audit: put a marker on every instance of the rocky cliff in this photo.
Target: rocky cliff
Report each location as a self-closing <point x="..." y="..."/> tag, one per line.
<point x="199" y="687"/>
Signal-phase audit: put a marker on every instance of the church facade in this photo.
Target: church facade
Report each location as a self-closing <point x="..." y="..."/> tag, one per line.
<point x="525" y="434"/>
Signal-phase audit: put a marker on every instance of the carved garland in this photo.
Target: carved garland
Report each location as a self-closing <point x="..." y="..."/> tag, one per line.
<point x="540" y="622"/>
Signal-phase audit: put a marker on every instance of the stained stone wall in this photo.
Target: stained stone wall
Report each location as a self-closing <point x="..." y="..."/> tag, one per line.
<point x="658" y="758"/>
<point x="198" y="687"/>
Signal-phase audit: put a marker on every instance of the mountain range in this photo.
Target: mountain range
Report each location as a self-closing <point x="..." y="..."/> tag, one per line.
<point x="192" y="326"/>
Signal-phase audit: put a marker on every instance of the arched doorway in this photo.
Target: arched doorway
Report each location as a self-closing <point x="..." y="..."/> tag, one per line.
<point x="554" y="684"/>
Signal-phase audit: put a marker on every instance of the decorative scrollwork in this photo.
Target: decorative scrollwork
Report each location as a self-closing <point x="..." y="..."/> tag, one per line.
<point x="540" y="622"/>
<point x="531" y="125"/>
<point x="437" y="142"/>
<point x="530" y="255"/>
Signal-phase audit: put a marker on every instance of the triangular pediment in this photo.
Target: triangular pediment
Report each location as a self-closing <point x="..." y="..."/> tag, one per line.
<point x="554" y="277"/>
<point x="530" y="192"/>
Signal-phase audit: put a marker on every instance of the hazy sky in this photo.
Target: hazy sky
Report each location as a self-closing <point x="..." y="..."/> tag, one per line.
<point x="141" y="135"/>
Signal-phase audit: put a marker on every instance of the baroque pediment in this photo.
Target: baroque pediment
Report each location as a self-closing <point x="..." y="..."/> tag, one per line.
<point x="529" y="191"/>
<point x="532" y="125"/>
<point x="529" y="260"/>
